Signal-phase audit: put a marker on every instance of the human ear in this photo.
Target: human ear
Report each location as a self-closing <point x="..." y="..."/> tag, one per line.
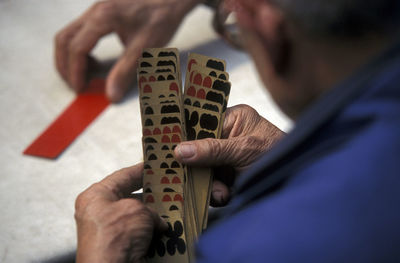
<point x="268" y="23"/>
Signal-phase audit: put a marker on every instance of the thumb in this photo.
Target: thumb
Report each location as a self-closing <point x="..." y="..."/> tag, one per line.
<point x="121" y="76"/>
<point x="236" y="152"/>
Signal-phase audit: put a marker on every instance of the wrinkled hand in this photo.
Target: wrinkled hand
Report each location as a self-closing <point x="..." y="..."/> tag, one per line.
<point x="138" y="23"/>
<point x="111" y="226"/>
<point x="245" y="136"/>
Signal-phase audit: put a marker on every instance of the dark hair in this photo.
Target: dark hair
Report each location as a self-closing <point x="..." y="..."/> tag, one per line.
<point x="344" y="18"/>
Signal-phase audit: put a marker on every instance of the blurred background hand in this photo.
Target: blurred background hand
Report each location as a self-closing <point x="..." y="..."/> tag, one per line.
<point x="138" y="24"/>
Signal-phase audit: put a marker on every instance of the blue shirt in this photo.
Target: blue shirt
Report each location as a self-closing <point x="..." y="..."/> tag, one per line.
<point x="329" y="191"/>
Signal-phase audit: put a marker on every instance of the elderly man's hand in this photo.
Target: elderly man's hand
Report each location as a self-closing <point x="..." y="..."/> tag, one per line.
<point x="138" y="23"/>
<point x="246" y="135"/>
<point x="111" y="226"/>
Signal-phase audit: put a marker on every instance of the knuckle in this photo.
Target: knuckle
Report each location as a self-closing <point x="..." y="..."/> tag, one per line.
<point x="61" y="38"/>
<point x="84" y="199"/>
<point x="214" y="148"/>
<point x="250" y="142"/>
<point x="81" y="204"/>
<point x="103" y="10"/>
<point x="247" y="110"/>
<point x="75" y="49"/>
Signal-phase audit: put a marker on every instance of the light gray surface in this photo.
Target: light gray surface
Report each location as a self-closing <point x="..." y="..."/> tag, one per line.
<point x="37" y="195"/>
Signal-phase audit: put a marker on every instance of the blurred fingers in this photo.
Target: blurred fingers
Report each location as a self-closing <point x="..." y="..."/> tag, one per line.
<point x="220" y="194"/>
<point x="78" y="52"/>
<point x="123" y="72"/>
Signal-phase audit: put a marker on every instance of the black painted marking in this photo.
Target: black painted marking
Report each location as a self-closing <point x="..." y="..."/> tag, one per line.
<point x="170" y="120"/>
<point x="222" y="76"/>
<point x="175" y="164"/>
<point x="225" y="87"/>
<point x="204" y="134"/>
<point x="173" y="208"/>
<point x="148" y="111"/>
<point x="191" y="121"/>
<point x="215" y="65"/>
<point x="167" y="54"/>
<point x="152" y="157"/>
<point x="148" y="122"/>
<point x="164" y="165"/>
<point x="170" y="171"/>
<point x="188" y="102"/>
<point x="165" y="148"/>
<point x="147" y="55"/>
<point x="175" y="242"/>
<point x="163" y="70"/>
<point x="162" y="63"/>
<point x="150" y="140"/>
<point x="215" y="97"/>
<point x="169" y="156"/>
<point x="150" y="147"/>
<point x="208" y="121"/>
<point x="145" y="64"/>
<point x="170" y="109"/>
<point x="210" y="107"/>
<point x="167" y="101"/>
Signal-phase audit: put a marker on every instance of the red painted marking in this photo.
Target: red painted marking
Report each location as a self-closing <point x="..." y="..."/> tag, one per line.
<point x="201" y="94"/>
<point x="176" y="180"/>
<point x="166" y="198"/>
<point x="156" y="131"/>
<point x="152" y="78"/>
<point x="178" y="197"/>
<point x="146" y="132"/>
<point x="191" y="91"/>
<point x="165" y="180"/>
<point x="72" y="122"/>
<point x="149" y="199"/>
<point x="191" y="62"/>
<point x="197" y="79"/>
<point x="165" y="139"/>
<point x="174" y="86"/>
<point x="147" y="89"/>
<point x="207" y="82"/>
<point x="175" y="138"/>
<point x="149" y="172"/>
<point x="166" y="130"/>
<point x="176" y="129"/>
<point x="141" y="80"/>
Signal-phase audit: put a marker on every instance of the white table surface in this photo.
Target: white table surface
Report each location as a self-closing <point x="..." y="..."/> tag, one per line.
<point x="37" y="195"/>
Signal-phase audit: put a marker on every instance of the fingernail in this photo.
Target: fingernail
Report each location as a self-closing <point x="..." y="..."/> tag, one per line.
<point x="186" y="151"/>
<point x="114" y="94"/>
